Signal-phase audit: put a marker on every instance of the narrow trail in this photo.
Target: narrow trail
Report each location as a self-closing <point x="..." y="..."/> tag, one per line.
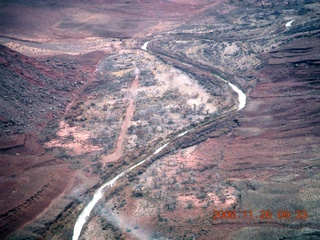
<point x="125" y="124"/>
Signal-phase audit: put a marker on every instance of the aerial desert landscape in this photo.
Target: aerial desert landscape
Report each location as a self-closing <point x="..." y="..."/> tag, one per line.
<point x="159" y="119"/>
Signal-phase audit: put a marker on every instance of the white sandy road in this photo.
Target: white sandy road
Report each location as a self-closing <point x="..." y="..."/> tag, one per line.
<point x="288" y="24"/>
<point x="241" y="96"/>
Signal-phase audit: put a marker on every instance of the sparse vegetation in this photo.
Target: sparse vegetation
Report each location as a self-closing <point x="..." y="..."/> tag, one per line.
<point x="100" y="113"/>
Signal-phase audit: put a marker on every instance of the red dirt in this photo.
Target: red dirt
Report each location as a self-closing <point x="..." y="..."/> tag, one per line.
<point x="125" y="125"/>
<point x="31" y="178"/>
<point x="12" y="141"/>
<point x="278" y="132"/>
<point x="29" y="182"/>
<point x="80" y="19"/>
<point x="277" y="138"/>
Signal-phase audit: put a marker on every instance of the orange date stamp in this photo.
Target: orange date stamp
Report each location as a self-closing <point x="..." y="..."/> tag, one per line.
<point x="262" y="215"/>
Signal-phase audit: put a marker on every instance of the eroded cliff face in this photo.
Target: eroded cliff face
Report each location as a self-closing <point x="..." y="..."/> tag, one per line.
<point x="61" y="117"/>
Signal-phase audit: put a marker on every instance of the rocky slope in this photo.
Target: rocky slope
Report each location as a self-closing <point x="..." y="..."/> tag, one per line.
<point x="34" y="94"/>
<point x="60" y="122"/>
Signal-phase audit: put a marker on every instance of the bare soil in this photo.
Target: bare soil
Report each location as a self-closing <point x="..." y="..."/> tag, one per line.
<point x="80" y="102"/>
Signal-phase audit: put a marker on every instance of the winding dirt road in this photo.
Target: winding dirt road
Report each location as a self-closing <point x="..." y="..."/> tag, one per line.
<point x="126" y="122"/>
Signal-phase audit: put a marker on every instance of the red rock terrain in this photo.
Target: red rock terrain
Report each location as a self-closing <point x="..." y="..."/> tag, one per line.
<point x="61" y="118"/>
<point x="268" y="161"/>
<point x="264" y="158"/>
<point x="38" y="93"/>
<point x="34" y="95"/>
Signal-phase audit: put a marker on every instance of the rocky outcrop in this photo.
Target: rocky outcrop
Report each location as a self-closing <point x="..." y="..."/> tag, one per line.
<point x="12" y="141"/>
